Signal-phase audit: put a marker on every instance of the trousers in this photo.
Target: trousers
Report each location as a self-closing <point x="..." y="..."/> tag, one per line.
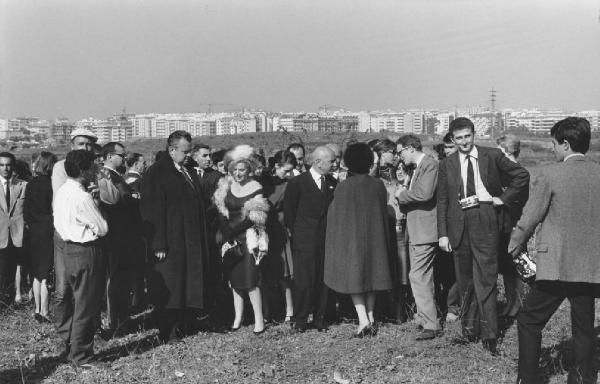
<point x="79" y="286"/>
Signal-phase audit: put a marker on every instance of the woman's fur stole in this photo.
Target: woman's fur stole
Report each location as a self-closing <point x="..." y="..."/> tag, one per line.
<point x="256" y="210"/>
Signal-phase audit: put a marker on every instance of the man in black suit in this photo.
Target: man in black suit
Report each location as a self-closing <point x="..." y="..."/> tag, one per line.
<point x="300" y="152"/>
<point x="306" y="201"/>
<point x="120" y="264"/>
<point x="470" y="195"/>
<point x="136" y="166"/>
<point x="216" y="290"/>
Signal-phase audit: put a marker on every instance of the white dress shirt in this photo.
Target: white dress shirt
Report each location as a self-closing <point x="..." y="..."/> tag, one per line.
<point x="565" y="159"/>
<point x="316" y="177"/>
<point x="481" y="191"/>
<point x="416" y="166"/>
<point x="76" y="216"/>
<point x="4" y="184"/>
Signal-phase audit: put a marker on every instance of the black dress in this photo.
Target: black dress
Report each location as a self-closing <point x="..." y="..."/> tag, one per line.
<point x="37" y="212"/>
<point x="244" y="274"/>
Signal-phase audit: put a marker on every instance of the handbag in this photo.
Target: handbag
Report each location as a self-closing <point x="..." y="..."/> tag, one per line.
<point x="231" y="253"/>
<point x="525" y="266"/>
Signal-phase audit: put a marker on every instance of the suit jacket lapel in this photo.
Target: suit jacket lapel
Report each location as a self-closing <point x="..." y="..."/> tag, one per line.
<point x="454" y="171"/>
<point x="3" y="199"/>
<point x="483" y="166"/>
<point x="15" y="189"/>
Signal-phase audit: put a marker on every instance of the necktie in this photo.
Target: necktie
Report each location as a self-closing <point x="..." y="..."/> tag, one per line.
<point x="323" y="186"/>
<point x="187" y="177"/>
<point x="470" y="178"/>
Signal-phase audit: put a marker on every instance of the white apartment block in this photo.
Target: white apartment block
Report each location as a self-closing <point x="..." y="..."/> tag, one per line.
<point x="3" y="129"/>
<point x="398" y="122"/>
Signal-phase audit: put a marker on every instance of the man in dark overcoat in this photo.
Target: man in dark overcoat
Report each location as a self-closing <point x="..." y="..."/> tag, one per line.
<point x="305" y="204"/>
<point x="174" y="218"/>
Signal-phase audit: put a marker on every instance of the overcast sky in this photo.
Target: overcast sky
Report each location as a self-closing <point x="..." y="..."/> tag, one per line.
<point x="83" y="58"/>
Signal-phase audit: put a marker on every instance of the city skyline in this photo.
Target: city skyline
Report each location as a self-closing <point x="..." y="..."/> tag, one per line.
<point x="81" y="59"/>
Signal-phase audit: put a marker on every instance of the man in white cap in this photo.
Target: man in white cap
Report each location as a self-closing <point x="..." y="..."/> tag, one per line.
<point x="81" y="138"/>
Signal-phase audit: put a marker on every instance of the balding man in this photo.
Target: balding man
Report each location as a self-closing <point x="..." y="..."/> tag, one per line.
<point x="336" y="166"/>
<point x="306" y="201"/>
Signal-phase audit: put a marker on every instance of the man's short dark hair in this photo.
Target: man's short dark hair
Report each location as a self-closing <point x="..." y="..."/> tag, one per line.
<point x="575" y="130"/>
<point x="410" y="140"/>
<point x="296" y="146"/>
<point x="218" y="156"/>
<point x="382" y="146"/>
<point x="284" y="157"/>
<point x="176" y="136"/>
<point x="78" y="162"/>
<point x="448" y="138"/>
<point x="10" y="156"/>
<point x="200" y="146"/>
<point x="111" y="147"/>
<point x="461" y="123"/>
<point x="359" y="158"/>
<point x="133" y="158"/>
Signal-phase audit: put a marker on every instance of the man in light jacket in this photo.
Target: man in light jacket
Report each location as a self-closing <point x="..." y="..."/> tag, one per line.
<point x="563" y="199"/>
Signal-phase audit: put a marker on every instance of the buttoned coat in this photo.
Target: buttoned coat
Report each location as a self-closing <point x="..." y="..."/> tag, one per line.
<point x="420" y="202"/>
<point x="174" y="220"/>
<point x="492" y="164"/>
<point x="12" y="222"/>
<point x="563" y="197"/>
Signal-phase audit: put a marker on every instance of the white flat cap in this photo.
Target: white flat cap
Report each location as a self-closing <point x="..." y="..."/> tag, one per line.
<point x="84" y="132"/>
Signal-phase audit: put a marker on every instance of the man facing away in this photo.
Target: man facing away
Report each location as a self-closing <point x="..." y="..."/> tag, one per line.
<point x="305" y="205"/>
<point x="563" y="199"/>
<point x="80" y="225"/>
<point x="419" y="201"/>
<point x="470" y="190"/>
<point x="12" y="225"/>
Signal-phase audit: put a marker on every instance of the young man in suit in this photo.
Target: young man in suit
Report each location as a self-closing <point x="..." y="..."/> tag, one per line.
<point x="419" y="201"/>
<point x="563" y="199"/>
<point x="306" y="201"/>
<point x="12" y="193"/>
<point x="136" y="166"/>
<point x="470" y="193"/>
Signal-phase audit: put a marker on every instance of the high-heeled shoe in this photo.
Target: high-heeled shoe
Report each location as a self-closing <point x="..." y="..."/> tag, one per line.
<point x="258" y="333"/>
<point x="366" y="331"/>
<point x="234" y="329"/>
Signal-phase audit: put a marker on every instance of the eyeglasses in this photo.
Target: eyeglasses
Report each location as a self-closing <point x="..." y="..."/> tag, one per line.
<point x="401" y="150"/>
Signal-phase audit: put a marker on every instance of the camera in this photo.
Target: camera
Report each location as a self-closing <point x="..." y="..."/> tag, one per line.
<point x="469" y="202"/>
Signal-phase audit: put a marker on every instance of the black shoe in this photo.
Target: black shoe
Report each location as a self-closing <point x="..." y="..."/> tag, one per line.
<point x="464" y="340"/>
<point x="299" y="327"/>
<point x="258" y="333"/>
<point x="366" y="331"/>
<point x="491" y="345"/>
<point x="234" y="329"/>
<point x="428" y="334"/>
<point x="320" y="326"/>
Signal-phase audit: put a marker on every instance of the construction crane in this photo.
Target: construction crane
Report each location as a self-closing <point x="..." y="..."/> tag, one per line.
<point x="210" y="105"/>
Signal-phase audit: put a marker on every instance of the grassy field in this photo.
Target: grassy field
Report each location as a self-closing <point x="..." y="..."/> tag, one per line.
<point x="280" y="356"/>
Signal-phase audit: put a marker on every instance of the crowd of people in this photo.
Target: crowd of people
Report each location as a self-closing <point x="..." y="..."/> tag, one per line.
<point x="381" y="231"/>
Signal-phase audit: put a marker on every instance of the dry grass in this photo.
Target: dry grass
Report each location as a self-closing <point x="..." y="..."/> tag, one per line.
<point x="277" y="356"/>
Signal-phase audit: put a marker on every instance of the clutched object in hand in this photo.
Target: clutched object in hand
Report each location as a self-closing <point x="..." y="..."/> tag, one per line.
<point x="525" y="266"/>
